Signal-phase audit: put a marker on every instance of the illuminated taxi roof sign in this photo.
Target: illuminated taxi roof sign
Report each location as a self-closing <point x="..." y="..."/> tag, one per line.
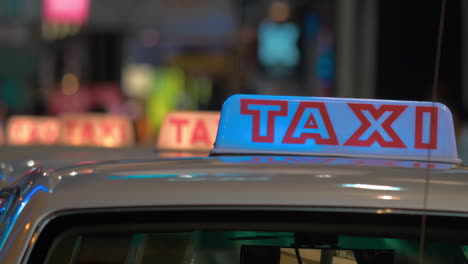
<point x="403" y="130"/>
<point x="96" y="130"/>
<point x="188" y="130"/>
<point x="32" y="130"/>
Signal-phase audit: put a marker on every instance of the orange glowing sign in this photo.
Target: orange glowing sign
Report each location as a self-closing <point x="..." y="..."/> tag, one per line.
<point x="97" y="130"/>
<point x="31" y="130"/>
<point x="188" y="131"/>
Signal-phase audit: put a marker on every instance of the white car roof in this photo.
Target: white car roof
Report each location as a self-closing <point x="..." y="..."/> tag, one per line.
<point x="215" y="181"/>
<point x="234" y="182"/>
<point x="21" y="159"/>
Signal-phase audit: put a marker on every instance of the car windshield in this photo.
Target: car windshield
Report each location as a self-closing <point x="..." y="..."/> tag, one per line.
<point x="322" y="238"/>
<point x="244" y="247"/>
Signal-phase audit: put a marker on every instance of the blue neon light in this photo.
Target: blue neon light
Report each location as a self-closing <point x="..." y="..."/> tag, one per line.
<point x="385" y="129"/>
<point x="153" y="176"/>
<point x="336" y="161"/>
<point x="150" y="176"/>
<point x="372" y="187"/>
<point x="278" y="44"/>
<point x="10" y="222"/>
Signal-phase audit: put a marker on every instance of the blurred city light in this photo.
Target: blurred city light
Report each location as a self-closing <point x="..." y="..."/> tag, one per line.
<point x="149" y="38"/>
<point x="65" y="11"/>
<point x="166" y="95"/>
<point x="137" y="79"/>
<point x="278" y="44"/>
<point x="147" y="59"/>
<point x="55" y="31"/>
<point x="278" y="41"/>
<point x="70" y="84"/>
<point x="279" y="11"/>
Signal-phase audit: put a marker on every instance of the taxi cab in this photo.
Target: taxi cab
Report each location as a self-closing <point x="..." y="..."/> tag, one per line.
<point x="289" y="180"/>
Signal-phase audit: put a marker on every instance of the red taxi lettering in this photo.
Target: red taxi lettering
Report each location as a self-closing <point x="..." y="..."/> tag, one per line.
<point x="111" y="134"/>
<point x="22" y="129"/>
<point x="311" y="120"/>
<point x="124" y="132"/>
<point x="311" y="124"/>
<point x="391" y="163"/>
<point x="71" y="126"/>
<point x="87" y="132"/>
<point x="179" y="124"/>
<point x="33" y="131"/>
<point x="108" y="130"/>
<point x="377" y="123"/>
<point x="50" y="132"/>
<point x="34" y="136"/>
<point x="424" y="165"/>
<point x="261" y="114"/>
<point x="310" y="160"/>
<point x="265" y="160"/>
<point x="19" y="132"/>
<point x="419" y="143"/>
<point x="200" y="134"/>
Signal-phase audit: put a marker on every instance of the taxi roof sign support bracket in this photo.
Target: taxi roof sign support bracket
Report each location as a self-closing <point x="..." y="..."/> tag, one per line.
<point x="239" y="152"/>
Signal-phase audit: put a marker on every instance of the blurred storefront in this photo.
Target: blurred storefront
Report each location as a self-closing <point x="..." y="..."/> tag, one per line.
<point x="146" y="58"/>
<point x="149" y="58"/>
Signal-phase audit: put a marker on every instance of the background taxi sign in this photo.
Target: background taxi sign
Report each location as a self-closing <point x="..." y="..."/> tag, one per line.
<point x="99" y="130"/>
<point x="402" y="130"/>
<point x="32" y="130"/>
<point x="188" y="131"/>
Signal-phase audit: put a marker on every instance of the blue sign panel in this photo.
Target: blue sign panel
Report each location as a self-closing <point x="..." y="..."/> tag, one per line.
<point x="402" y="130"/>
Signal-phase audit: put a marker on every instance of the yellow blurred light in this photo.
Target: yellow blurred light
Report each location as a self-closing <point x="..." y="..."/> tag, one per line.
<point x="26" y="227"/>
<point x="70" y="84"/>
<point x="384" y="211"/>
<point x="279" y="11"/>
<point x="55" y="30"/>
<point x="388" y="197"/>
<point x="33" y="238"/>
<point x="137" y="79"/>
<point x="74" y="29"/>
<point x="47" y="32"/>
<point x="110" y="142"/>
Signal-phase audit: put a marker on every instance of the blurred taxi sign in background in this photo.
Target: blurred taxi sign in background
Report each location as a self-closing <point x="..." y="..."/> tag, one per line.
<point x="187" y="130"/>
<point x="97" y="130"/>
<point x="33" y="130"/>
<point x="401" y="130"/>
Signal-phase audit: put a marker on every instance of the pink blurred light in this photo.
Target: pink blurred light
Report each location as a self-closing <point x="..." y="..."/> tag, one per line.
<point x="65" y="11"/>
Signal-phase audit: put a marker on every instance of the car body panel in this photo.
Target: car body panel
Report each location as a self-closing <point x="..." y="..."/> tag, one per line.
<point x="21" y="159"/>
<point x="259" y="182"/>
